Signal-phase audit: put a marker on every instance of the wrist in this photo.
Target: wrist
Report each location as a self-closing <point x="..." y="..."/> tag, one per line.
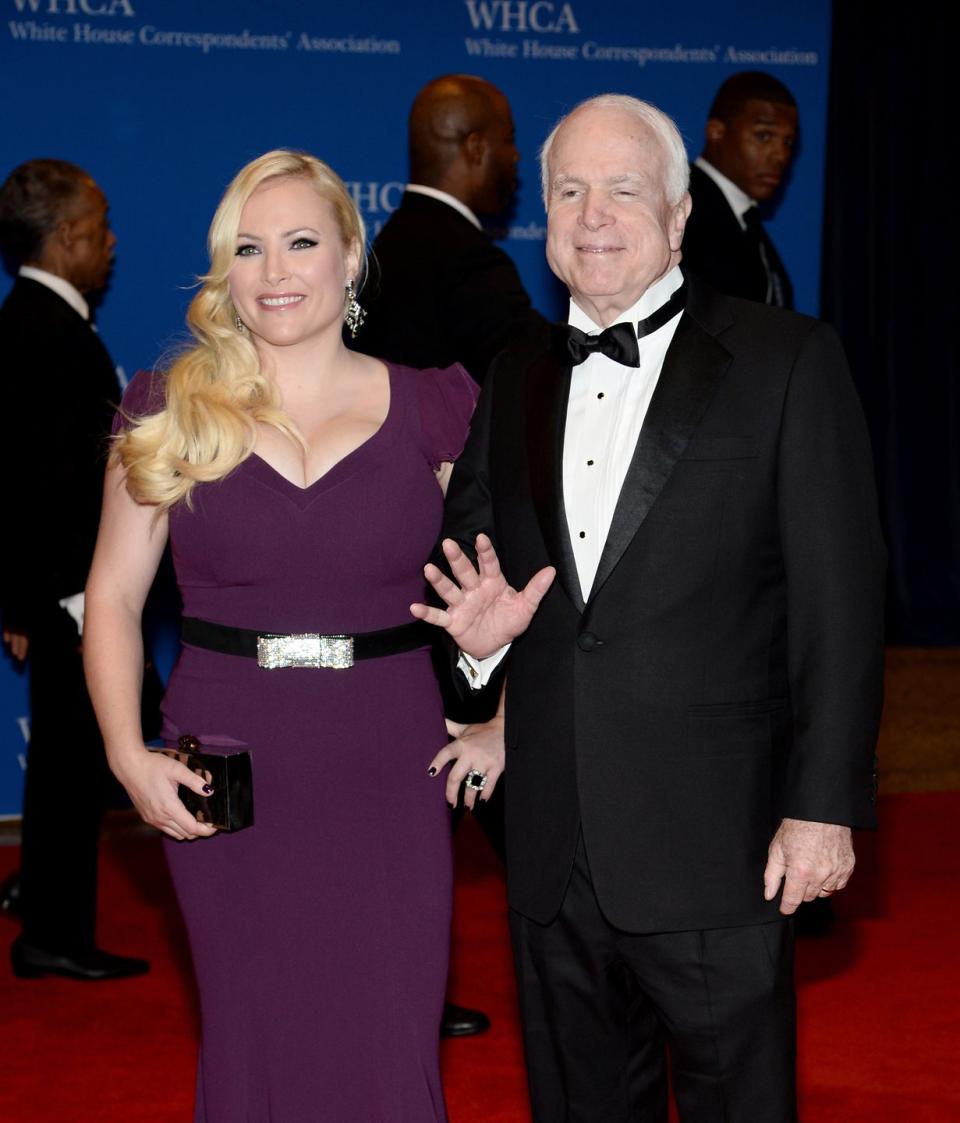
<point x="125" y="759"/>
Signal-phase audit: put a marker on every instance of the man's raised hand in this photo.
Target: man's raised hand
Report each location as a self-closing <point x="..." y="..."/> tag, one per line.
<point x="483" y="612"/>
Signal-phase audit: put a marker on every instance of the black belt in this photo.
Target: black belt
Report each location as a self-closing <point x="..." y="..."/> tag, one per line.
<point x="337" y="652"/>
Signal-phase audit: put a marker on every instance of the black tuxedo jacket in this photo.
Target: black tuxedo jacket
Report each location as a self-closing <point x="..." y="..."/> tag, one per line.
<point x="717" y="249"/>
<point x="439" y="291"/>
<point x="60" y="388"/>
<point x="725" y="670"/>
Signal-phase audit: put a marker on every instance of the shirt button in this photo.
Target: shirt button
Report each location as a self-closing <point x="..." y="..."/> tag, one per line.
<point x="583" y="534"/>
<point x="589" y="463"/>
<point x="600" y="395"/>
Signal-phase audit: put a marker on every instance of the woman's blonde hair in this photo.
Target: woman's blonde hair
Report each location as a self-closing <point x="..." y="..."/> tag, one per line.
<point x="217" y="390"/>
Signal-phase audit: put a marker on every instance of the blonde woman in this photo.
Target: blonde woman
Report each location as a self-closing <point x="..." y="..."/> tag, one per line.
<point x="300" y="486"/>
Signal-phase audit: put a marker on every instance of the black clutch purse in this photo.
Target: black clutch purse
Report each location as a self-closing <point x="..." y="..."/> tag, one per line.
<point x="230" y="806"/>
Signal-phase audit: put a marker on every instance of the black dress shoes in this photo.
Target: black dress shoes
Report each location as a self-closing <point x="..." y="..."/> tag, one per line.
<point x="458" y="1021"/>
<point x="29" y="962"/>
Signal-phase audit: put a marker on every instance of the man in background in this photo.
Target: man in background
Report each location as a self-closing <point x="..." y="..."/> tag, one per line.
<point x="60" y="389"/>
<point x="440" y="291"/>
<point x="751" y="133"/>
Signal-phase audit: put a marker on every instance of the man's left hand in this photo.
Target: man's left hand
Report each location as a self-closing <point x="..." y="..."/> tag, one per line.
<point x="483" y="614"/>
<point x="812" y="859"/>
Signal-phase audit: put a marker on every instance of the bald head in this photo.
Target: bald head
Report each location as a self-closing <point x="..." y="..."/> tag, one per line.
<point x="462" y="141"/>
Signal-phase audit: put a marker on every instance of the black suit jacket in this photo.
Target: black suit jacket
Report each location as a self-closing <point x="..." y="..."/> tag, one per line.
<point x="439" y="291"/>
<point x="60" y="388"/>
<point x="725" y="670"/>
<point x="717" y="249"/>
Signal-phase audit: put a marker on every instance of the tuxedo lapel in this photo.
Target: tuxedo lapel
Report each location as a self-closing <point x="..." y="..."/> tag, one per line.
<point x="694" y="365"/>
<point x="547" y="393"/>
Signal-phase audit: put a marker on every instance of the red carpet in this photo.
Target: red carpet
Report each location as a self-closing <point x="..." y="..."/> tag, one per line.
<point x="880" y="1016"/>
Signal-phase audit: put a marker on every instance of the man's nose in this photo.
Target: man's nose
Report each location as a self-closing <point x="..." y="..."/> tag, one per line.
<point x="593" y="212"/>
<point x="782" y="151"/>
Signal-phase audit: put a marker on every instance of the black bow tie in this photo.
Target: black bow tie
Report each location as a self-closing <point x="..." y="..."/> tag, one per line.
<point x="619" y="341"/>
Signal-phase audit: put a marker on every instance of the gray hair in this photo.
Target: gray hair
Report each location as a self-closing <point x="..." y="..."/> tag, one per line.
<point x="35" y="197"/>
<point x="677" y="178"/>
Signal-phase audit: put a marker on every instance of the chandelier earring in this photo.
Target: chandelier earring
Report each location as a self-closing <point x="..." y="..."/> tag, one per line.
<point x="241" y="326"/>
<point x="354" y="315"/>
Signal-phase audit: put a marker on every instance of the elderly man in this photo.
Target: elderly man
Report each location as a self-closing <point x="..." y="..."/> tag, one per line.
<point x="60" y="390"/>
<point x="751" y="133"/>
<point x="691" y="711"/>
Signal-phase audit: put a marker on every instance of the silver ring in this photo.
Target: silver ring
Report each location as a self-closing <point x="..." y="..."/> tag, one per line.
<point x="476" y="780"/>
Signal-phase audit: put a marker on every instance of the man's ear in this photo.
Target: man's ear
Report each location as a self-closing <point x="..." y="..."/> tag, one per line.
<point x="678" y="221"/>
<point x="475" y="148"/>
<point x="716" y="130"/>
<point x="63" y="233"/>
<point x="57" y="250"/>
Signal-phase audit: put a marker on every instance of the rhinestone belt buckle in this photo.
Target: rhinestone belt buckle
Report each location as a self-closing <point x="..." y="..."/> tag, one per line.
<point x="308" y="650"/>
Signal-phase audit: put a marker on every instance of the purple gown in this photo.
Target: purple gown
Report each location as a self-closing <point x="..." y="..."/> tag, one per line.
<point x="320" y="935"/>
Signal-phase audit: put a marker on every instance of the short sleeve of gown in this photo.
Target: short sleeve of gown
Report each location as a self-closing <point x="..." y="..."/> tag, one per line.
<point x="446" y="399"/>
<point x="145" y="394"/>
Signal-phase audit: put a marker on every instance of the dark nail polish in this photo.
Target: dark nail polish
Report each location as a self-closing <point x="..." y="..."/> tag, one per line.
<point x="207" y="790"/>
<point x="431" y="771"/>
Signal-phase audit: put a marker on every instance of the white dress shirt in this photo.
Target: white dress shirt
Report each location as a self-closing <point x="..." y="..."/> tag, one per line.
<point x="739" y="201"/>
<point x="606" y="409"/>
<point x="443" y="197"/>
<point x="59" y="285"/>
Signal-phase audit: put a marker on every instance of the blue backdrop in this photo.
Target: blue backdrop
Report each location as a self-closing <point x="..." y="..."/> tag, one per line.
<point x="163" y="100"/>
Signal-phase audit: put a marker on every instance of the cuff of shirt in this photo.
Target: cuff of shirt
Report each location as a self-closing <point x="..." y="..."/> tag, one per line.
<point x="74" y="606"/>
<point x="477" y="672"/>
